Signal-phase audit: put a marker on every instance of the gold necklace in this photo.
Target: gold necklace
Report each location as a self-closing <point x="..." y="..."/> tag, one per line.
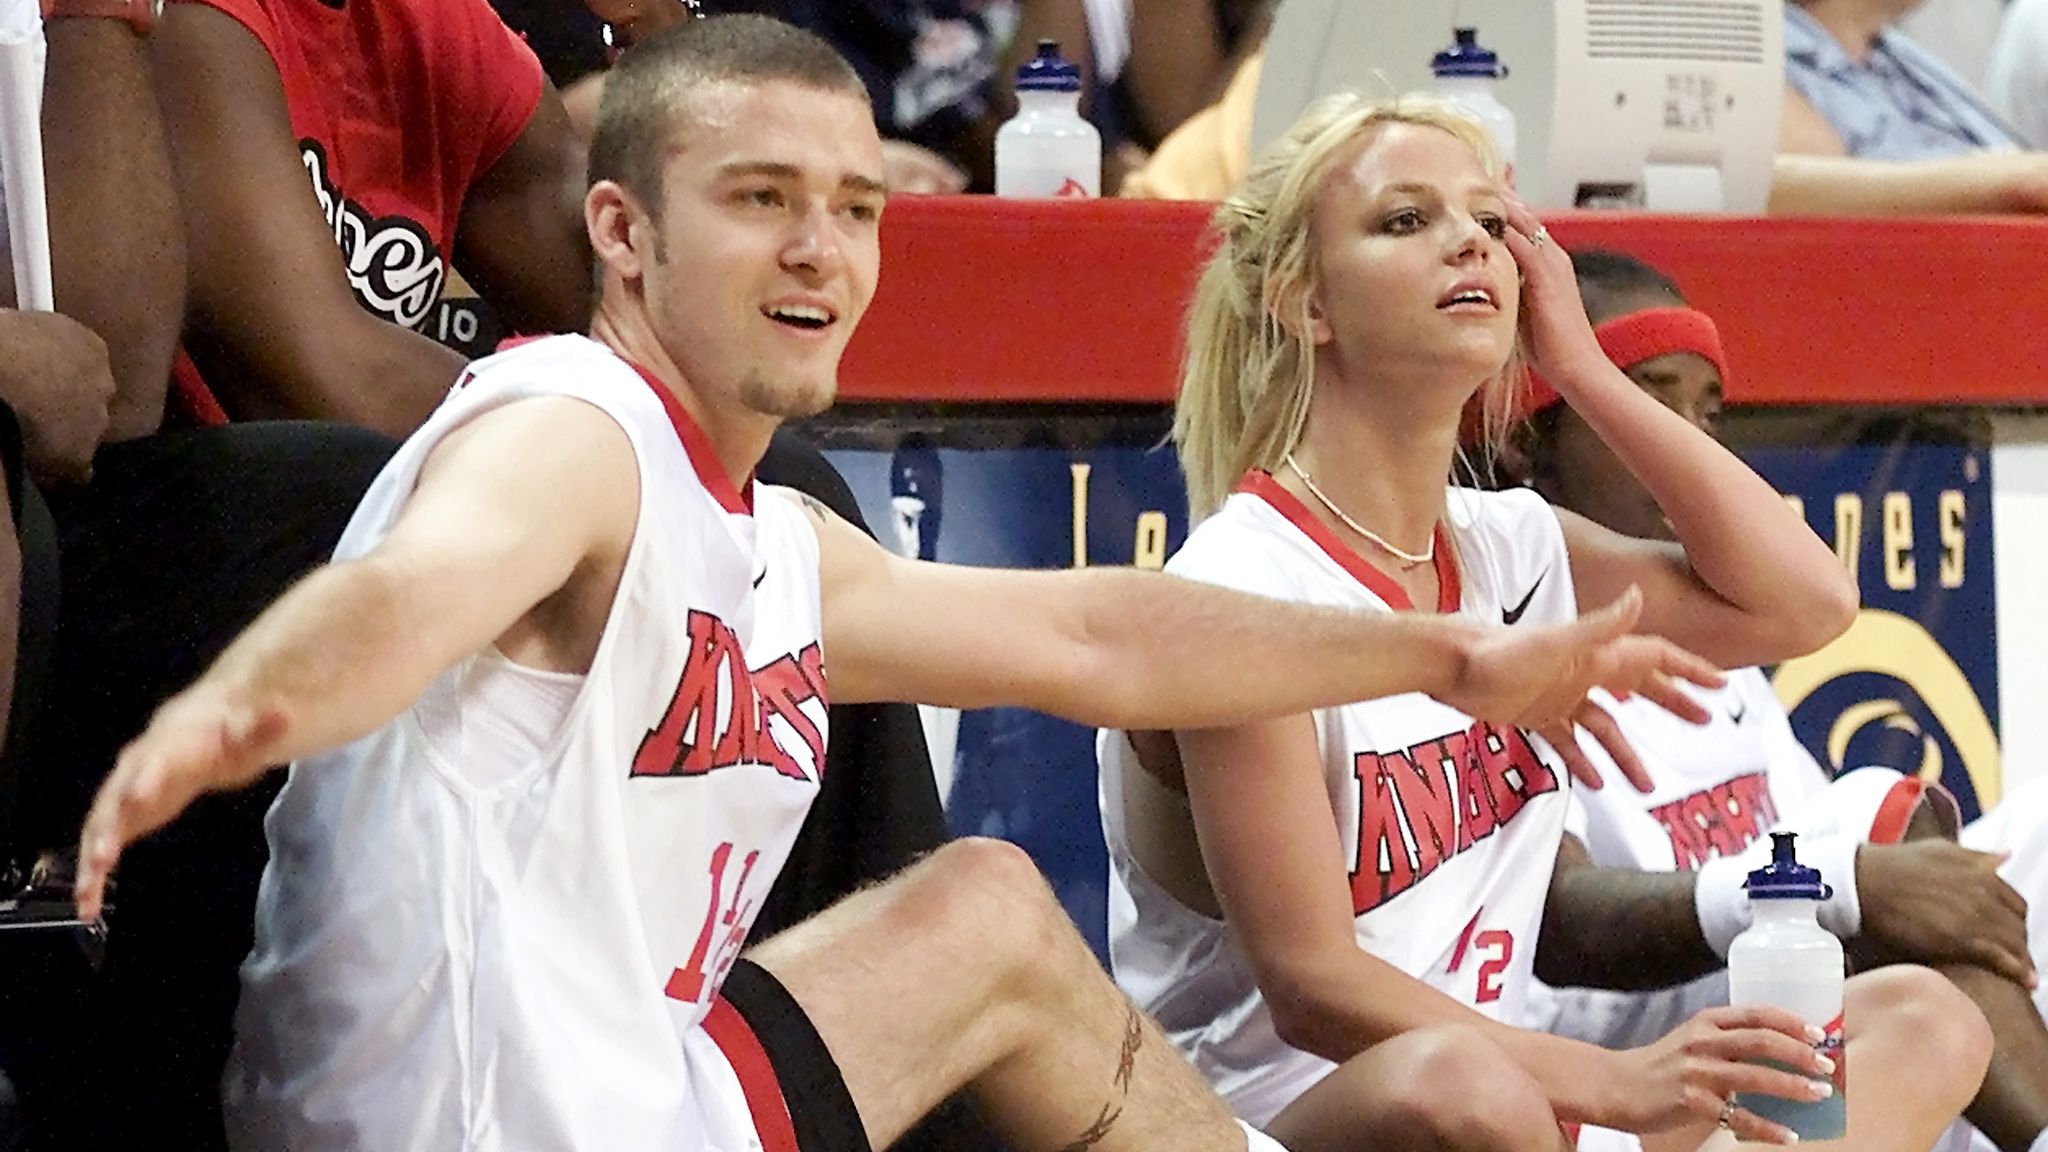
<point x="1408" y="559"/>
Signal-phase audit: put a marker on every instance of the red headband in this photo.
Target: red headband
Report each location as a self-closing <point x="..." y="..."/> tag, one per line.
<point x="1629" y="340"/>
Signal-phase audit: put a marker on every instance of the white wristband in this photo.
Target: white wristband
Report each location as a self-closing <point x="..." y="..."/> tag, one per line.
<point x="1723" y="906"/>
<point x="1842" y="912"/>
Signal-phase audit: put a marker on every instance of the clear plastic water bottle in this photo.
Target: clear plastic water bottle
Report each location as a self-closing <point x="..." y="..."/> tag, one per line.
<point x="1047" y="149"/>
<point x="1786" y="959"/>
<point x="1470" y="75"/>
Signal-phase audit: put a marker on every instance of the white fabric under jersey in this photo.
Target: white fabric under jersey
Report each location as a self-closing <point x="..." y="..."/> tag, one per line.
<point x="1449" y="828"/>
<point x="455" y="953"/>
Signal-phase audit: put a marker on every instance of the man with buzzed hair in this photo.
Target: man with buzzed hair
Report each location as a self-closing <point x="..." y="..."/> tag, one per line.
<point x="559" y="706"/>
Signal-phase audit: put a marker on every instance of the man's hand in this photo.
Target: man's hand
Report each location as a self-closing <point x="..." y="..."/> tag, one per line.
<point x="57" y="379"/>
<point x="1933" y="901"/>
<point x="1539" y="678"/>
<point x="199" y="741"/>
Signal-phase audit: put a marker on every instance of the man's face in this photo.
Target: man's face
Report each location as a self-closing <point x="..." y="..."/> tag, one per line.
<point x="767" y="247"/>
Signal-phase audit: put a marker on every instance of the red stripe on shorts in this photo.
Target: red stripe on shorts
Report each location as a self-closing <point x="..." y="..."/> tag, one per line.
<point x="734" y="1037"/>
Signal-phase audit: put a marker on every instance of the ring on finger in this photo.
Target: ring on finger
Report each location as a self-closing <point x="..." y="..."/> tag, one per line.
<point x="1727" y="1112"/>
<point x="1540" y="236"/>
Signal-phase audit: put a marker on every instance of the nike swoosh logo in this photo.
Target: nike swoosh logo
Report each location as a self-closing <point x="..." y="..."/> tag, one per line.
<point x="1511" y="615"/>
<point x="1738" y="712"/>
<point x="761" y="577"/>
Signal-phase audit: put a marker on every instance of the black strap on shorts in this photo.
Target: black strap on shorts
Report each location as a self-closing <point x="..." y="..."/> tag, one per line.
<point x="820" y="1108"/>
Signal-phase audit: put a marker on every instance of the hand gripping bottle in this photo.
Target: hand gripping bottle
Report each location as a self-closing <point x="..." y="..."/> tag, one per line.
<point x="1470" y="76"/>
<point x="1786" y="959"/>
<point x="1047" y="149"/>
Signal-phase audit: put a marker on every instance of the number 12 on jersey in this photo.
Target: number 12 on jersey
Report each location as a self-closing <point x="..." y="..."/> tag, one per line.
<point x="725" y="929"/>
<point x="1498" y="949"/>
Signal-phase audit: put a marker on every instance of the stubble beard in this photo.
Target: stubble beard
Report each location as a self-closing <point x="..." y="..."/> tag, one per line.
<point x="785" y="399"/>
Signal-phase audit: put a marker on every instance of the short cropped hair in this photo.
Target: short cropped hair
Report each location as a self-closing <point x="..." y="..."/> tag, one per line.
<point x="1612" y="283"/>
<point x="645" y="92"/>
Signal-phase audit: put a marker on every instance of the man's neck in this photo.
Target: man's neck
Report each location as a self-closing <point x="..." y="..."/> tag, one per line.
<point x="1853" y="23"/>
<point x="738" y="439"/>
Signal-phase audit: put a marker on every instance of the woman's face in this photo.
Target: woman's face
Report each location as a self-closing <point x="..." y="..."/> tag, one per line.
<point x="1413" y="274"/>
<point x="1585" y="475"/>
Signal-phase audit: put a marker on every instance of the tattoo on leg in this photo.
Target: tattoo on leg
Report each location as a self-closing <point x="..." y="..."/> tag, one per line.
<point x="1134" y="1035"/>
<point x="1098" y="1131"/>
<point x="1127" y="1063"/>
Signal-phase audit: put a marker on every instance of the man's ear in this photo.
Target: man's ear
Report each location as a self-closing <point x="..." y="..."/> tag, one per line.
<point x="618" y="228"/>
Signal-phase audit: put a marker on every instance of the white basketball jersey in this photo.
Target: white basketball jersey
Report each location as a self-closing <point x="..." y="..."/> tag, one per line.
<point x="1449" y="827"/>
<point x="458" y="953"/>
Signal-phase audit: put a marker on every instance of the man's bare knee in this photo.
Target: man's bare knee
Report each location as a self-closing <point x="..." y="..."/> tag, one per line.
<point x="987" y="895"/>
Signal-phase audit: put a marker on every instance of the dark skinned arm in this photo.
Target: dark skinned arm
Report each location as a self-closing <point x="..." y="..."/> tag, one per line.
<point x="520" y="241"/>
<point x="1619" y="928"/>
<point x="117" y="248"/>
<point x="273" y="322"/>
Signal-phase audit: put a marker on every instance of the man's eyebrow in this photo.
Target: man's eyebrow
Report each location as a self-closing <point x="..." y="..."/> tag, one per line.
<point x="867" y="185"/>
<point x="855" y="182"/>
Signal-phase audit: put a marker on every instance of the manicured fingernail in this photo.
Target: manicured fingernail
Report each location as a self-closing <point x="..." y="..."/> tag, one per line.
<point x="1825" y="1065"/>
<point x="1815" y="1035"/>
<point x="1821" y="1089"/>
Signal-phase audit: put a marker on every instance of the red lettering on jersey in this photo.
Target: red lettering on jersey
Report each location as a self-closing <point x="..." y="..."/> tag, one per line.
<point x="1718" y="821"/>
<point x="1441" y="797"/>
<point x="685" y="743"/>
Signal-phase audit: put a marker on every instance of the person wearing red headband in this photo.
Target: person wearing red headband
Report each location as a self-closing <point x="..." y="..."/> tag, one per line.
<point x="1904" y="890"/>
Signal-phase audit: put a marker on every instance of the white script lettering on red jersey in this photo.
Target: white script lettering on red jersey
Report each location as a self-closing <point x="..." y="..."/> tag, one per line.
<point x="392" y="263"/>
<point x="1449" y="827"/>
<point x="460" y="946"/>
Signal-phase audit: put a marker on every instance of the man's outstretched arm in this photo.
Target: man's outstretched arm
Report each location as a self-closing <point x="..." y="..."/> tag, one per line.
<point x="508" y="511"/>
<point x="1119" y="648"/>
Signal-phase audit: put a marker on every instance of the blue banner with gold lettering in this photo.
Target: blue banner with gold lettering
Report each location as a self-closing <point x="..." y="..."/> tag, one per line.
<point x="1913" y="684"/>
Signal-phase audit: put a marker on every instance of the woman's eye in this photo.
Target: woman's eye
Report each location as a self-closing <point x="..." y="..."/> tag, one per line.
<point x="1404" y="221"/>
<point x="760" y="197"/>
<point x="1496" y="226"/>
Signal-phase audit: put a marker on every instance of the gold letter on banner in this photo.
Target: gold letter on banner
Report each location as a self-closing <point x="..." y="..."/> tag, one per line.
<point x="1080" y="469"/>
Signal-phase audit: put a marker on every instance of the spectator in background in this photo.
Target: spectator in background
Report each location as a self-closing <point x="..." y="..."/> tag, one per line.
<point x="1813" y="173"/>
<point x="1874" y="124"/>
<point x="928" y="65"/>
<point x="431" y="139"/>
<point x="2017" y="84"/>
<point x="1146" y="65"/>
<point x="168" y="542"/>
<point x="1857" y="86"/>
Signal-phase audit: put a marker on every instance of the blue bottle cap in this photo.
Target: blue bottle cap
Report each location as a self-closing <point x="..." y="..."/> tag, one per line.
<point x="1048" y="71"/>
<point x="1467" y="58"/>
<point x="1785" y="878"/>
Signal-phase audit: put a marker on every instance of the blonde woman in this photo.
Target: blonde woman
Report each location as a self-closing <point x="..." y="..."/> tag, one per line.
<point x="1290" y="897"/>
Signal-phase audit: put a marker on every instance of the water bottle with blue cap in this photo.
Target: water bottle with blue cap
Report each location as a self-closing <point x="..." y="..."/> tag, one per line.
<point x="1470" y="75"/>
<point x="1047" y="149"/>
<point x="1786" y="959"/>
